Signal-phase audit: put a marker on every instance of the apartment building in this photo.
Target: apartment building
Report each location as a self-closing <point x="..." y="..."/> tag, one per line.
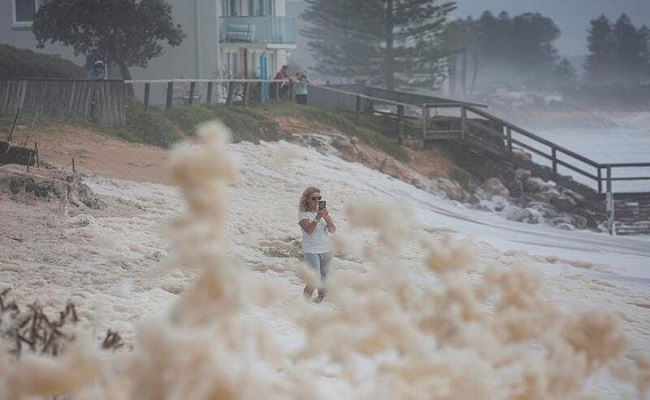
<point x="225" y="38"/>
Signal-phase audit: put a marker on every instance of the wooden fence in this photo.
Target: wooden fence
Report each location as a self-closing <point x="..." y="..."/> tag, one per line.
<point x="208" y="91"/>
<point x="103" y="100"/>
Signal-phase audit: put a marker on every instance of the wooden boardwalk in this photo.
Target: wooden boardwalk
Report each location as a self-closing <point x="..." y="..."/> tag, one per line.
<point x="443" y="119"/>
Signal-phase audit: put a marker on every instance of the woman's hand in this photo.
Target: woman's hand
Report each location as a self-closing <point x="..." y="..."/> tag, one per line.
<point x="331" y="227"/>
<point x="322" y="213"/>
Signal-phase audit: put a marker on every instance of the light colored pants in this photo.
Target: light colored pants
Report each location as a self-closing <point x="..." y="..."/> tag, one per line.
<point x="319" y="263"/>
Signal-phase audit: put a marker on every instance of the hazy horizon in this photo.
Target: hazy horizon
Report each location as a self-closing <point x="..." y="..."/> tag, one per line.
<point x="572" y="18"/>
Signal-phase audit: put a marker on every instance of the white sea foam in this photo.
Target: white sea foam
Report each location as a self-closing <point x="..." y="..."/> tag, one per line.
<point x="427" y="299"/>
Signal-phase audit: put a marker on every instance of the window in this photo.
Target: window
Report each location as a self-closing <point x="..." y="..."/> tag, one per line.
<point x="24" y="11"/>
<point x="231" y="8"/>
<point x="260" y="7"/>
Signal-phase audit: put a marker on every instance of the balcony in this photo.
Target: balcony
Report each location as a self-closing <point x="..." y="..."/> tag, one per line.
<point x="266" y="30"/>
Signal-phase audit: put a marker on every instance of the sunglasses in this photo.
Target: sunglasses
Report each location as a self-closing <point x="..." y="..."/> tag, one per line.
<point x="317" y="198"/>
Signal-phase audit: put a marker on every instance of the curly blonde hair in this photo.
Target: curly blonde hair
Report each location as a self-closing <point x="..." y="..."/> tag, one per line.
<point x="303" y="205"/>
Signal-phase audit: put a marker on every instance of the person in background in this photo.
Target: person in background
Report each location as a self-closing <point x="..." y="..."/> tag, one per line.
<point x="283" y="88"/>
<point x="98" y="71"/>
<point x="301" y="89"/>
<point x="316" y="224"/>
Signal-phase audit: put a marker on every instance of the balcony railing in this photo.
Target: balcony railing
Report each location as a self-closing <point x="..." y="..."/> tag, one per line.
<point x="257" y="30"/>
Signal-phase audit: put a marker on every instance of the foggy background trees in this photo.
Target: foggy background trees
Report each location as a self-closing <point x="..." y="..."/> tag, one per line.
<point x="619" y="53"/>
<point x="390" y="43"/>
<point x="517" y="50"/>
<point x="405" y="44"/>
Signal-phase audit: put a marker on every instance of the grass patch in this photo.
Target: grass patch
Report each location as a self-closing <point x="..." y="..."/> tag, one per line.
<point x="293" y="251"/>
<point x="27" y="120"/>
<point x="246" y="124"/>
<point x="372" y="129"/>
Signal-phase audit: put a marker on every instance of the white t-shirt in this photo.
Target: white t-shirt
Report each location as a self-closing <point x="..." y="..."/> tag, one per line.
<point x="319" y="241"/>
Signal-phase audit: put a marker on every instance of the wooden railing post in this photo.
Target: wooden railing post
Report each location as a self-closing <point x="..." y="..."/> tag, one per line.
<point x="554" y="159"/>
<point x="611" y="222"/>
<point x="463" y="121"/>
<point x="509" y="139"/>
<point x="170" y="94"/>
<point x="609" y="179"/>
<point x="246" y="91"/>
<point x="357" y="115"/>
<point x="425" y="118"/>
<point x="147" y="91"/>
<point x="229" y="94"/>
<point x="192" y="90"/>
<point x="400" y="123"/>
<point x="600" y="180"/>
<point x="209" y="94"/>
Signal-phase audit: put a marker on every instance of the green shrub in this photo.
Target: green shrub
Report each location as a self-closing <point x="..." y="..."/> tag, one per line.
<point x="188" y="117"/>
<point x="463" y="178"/>
<point x="23" y="63"/>
<point x="248" y="124"/>
<point x="150" y="127"/>
<point x="245" y="124"/>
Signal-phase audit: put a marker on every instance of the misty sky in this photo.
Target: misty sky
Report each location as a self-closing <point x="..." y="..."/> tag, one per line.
<point x="571" y="16"/>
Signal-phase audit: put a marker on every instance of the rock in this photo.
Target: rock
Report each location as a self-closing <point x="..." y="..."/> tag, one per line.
<point x="516" y="188"/>
<point x="524" y="155"/>
<point x="474" y="200"/>
<point x="580" y="222"/>
<point x="453" y="191"/>
<point x="418" y="183"/>
<point x="565" y="227"/>
<point x="563" y="219"/>
<point x="322" y="144"/>
<point x="563" y="204"/>
<point x="493" y="186"/>
<point x="526" y="215"/>
<point x="389" y="167"/>
<point x="535" y="185"/>
<point x="543" y="208"/>
<point x="578" y="198"/>
<point x="522" y="174"/>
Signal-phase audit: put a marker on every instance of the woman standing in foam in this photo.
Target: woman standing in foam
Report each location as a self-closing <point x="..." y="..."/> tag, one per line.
<point x="316" y="224"/>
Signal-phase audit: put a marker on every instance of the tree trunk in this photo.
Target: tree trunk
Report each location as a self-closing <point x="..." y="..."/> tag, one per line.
<point x="126" y="75"/>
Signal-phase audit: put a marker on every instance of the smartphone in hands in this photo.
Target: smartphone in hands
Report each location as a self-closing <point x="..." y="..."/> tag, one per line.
<point x="322" y="204"/>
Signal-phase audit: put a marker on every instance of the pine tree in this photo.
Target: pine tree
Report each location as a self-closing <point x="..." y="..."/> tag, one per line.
<point x="599" y="66"/>
<point x="629" y="47"/>
<point x="618" y="54"/>
<point x="393" y="43"/>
